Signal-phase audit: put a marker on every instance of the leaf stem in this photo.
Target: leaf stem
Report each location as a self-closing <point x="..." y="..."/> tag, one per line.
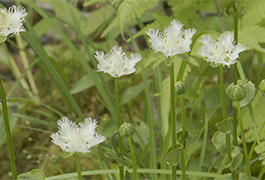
<point x="8" y="132"/>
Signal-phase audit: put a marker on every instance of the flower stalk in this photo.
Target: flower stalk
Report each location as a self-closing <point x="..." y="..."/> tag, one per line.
<point x="78" y="166"/>
<point x="121" y="168"/>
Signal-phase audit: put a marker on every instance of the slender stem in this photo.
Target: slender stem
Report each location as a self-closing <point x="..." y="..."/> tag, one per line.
<point x="121" y="168"/>
<point x="251" y="112"/>
<point x="222" y="92"/>
<point x="78" y="167"/>
<point x="133" y="158"/>
<point x="172" y="119"/>
<point x="243" y="140"/>
<point x="8" y="132"/>
<point x="60" y="169"/>
<point x="183" y="158"/>
<point x="219" y="15"/>
<point x="235" y="22"/>
<point x="25" y="62"/>
<point x="235" y="126"/>
<point x="172" y="106"/>
<point x="228" y="136"/>
<point x="149" y="109"/>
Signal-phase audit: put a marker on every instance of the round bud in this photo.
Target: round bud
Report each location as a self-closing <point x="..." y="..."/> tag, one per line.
<point x="262" y="86"/>
<point x="180" y="88"/>
<point x="54" y="159"/>
<point x="236" y="92"/>
<point x="126" y="129"/>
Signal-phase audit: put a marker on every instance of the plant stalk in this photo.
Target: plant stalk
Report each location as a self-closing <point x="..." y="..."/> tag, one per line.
<point x="78" y="167"/>
<point x="121" y="168"/>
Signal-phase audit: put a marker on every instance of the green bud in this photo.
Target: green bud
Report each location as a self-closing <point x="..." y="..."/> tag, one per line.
<point x="262" y="86"/>
<point x="126" y="129"/>
<point x="180" y="88"/>
<point x="55" y="159"/>
<point x="236" y="92"/>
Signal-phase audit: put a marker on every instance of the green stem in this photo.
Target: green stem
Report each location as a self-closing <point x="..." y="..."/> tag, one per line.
<point x="149" y="109"/>
<point x="222" y="92"/>
<point x="121" y="168"/>
<point x="222" y="96"/>
<point x="183" y="158"/>
<point x="235" y="126"/>
<point x="78" y="167"/>
<point x="133" y="158"/>
<point x="243" y="140"/>
<point x="8" y="132"/>
<point x="172" y="120"/>
<point x="251" y="112"/>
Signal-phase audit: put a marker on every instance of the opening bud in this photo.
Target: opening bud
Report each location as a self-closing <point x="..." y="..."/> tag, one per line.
<point x="236" y="92"/>
<point x="126" y="129"/>
<point x="262" y="86"/>
<point x="180" y="88"/>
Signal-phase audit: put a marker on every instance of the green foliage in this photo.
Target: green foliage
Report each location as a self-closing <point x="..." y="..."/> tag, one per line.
<point x="129" y="10"/>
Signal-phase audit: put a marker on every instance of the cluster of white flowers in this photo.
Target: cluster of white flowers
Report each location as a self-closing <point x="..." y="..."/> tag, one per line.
<point x="11" y="20"/>
<point x="221" y="51"/>
<point x="174" y="40"/>
<point x="77" y="138"/>
<point x="116" y="63"/>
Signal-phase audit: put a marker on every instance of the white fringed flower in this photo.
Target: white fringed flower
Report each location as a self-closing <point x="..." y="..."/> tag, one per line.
<point x="11" y="20"/>
<point x="174" y="40"/>
<point x="116" y="63"/>
<point x="73" y="137"/>
<point x="221" y="51"/>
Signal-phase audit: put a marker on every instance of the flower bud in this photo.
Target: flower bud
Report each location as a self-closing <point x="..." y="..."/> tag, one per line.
<point x="262" y="86"/>
<point x="236" y="92"/>
<point x="126" y="129"/>
<point x="180" y="88"/>
<point x="55" y="159"/>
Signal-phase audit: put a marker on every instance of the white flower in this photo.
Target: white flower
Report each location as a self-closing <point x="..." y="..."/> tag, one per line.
<point x="11" y="20"/>
<point x="116" y="63"/>
<point x="221" y="51"/>
<point x="73" y="137"/>
<point x="174" y="40"/>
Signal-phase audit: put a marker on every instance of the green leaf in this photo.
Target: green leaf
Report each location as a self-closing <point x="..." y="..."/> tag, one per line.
<point x="236" y="161"/>
<point x="120" y="161"/>
<point x="131" y="93"/>
<point x="84" y="155"/>
<point x="67" y="154"/>
<point x="252" y="36"/>
<point x="85" y="82"/>
<point x="250" y="91"/>
<point x="161" y="21"/>
<point x="172" y="155"/>
<point x="179" y="135"/>
<point x="115" y="142"/>
<point x="90" y="2"/>
<point x="219" y="141"/>
<point x="34" y="174"/>
<point x="12" y="121"/>
<point x="259" y="118"/>
<point x="129" y="10"/>
<point x="225" y="125"/>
